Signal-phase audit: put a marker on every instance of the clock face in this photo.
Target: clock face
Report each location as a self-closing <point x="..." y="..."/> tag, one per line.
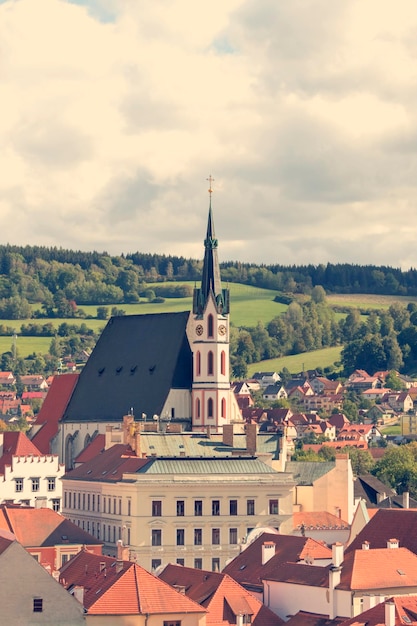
<point x="222" y="329"/>
<point x="199" y="330"/>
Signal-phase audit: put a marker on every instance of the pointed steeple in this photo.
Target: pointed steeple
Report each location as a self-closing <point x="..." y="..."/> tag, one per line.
<point x="210" y="281"/>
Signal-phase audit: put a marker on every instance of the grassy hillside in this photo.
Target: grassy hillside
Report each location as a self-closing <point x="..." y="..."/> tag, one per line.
<point x="298" y="362"/>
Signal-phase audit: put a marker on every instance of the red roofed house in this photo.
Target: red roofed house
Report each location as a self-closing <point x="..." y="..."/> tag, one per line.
<point x="226" y="602"/>
<point x="7" y="379"/>
<point x="26" y="475"/>
<point x="28" y="594"/>
<point x="351" y="584"/>
<point x="392" y="612"/>
<point x="117" y="591"/>
<point x="48" y="536"/>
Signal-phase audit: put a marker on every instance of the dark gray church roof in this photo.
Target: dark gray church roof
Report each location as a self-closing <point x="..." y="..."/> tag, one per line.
<point x="136" y="361"/>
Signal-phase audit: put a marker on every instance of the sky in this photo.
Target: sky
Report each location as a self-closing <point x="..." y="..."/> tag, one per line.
<point x="113" y="114"/>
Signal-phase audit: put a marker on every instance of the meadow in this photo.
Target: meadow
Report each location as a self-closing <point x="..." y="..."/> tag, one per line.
<point x="298" y="362"/>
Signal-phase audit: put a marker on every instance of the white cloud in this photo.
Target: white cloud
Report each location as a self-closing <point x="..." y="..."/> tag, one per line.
<point x="114" y="112"/>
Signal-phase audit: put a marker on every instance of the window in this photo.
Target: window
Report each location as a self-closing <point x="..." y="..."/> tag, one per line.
<point x="180" y="508"/>
<point x="198" y="364"/>
<point x="198" y="563"/>
<point x="56" y="504"/>
<point x="88" y="502"/>
<point x="180" y="536"/>
<point x="223" y="362"/>
<point x="250" y="507"/>
<point x="129" y="508"/>
<point x="223" y="407"/>
<point x="35" y="484"/>
<point x="198" y="536"/>
<point x="156" y="508"/>
<point x="180" y="561"/>
<point x="215" y="507"/>
<point x="155" y="563"/>
<point x="120" y="506"/>
<point x="210" y="363"/>
<point x="79" y="500"/>
<point x="233" y="507"/>
<point x="98" y="503"/>
<point x="233" y="536"/>
<point x="51" y="483"/>
<point x="64" y="559"/>
<point x="210" y="406"/>
<point x="114" y="506"/>
<point x="172" y="623"/>
<point x="83" y="501"/>
<point x="156" y="537"/>
<point x="197" y="407"/>
<point x="198" y="508"/>
<point x="93" y="502"/>
<point x="215" y="565"/>
<point x="37" y="605"/>
<point x="215" y="536"/>
<point x="128" y="536"/>
<point x="273" y="507"/>
<point x="70" y="499"/>
<point x="19" y="484"/>
<point x="210" y="326"/>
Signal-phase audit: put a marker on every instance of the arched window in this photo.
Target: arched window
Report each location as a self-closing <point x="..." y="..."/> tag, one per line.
<point x="198" y="364"/>
<point x="210" y="363"/>
<point x="210" y="326"/>
<point x="197" y="407"/>
<point x="223" y="362"/>
<point x="223" y="407"/>
<point x="210" y="407"/>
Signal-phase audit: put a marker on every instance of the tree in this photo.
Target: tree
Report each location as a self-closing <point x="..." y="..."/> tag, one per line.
<point x="102" y="312"/>
<point x="398" y="468"/>
<point x="361" y="460"/>
<point x="318" y="294"/>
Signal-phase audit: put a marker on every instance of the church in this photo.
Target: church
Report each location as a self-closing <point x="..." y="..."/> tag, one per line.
<point x="168" y="369"/>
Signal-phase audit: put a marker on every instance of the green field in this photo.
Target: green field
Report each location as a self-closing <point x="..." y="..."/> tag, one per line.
<point x="298" y="362"/>
<point x="367" y="301"/>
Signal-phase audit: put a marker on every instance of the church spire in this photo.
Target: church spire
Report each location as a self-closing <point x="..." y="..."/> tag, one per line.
<point x="211" y="282"/>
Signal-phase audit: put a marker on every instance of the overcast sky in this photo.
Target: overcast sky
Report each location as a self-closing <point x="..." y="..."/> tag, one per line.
<point x="113" y="113"/>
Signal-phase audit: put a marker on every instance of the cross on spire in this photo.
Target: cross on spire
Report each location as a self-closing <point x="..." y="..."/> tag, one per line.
<point x="211" y="180"/>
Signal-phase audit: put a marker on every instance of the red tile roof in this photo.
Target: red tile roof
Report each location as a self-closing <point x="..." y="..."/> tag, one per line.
<point x="16" y="443"/>
<point x="381" y="568"/>
<point x="318" y="520"/>
<point x="247" y="569"/>
<point x="109" y="465"/>
<point x="128" y="590"/>
<point x="222" y="596"/>
<point x="95" y="447"/>
<point x="387" y="523"/>
<point x="304" y="618"/>
<point x="42" y="527"/>
<point x="52" y="410"/>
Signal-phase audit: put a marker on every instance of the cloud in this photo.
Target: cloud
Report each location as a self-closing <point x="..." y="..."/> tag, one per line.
<point x="115" y="112"/>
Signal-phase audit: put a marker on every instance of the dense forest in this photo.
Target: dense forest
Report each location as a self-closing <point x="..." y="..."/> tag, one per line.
<point x="58" y="277"/>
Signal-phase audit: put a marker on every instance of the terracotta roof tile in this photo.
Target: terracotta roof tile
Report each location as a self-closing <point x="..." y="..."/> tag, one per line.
<point x="52" y="409"/>
<point x="380" y="568"/>
<point x="222" y="596"/>
<point x="128" y="590"/>
<point x="318" y="519"/>
<point x="109" y="465"/>
<point x="387" y="523"/>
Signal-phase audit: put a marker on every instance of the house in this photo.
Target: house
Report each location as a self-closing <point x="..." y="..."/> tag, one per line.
<point x="395" y="611"/>
<point x="371" y="490"/>
<point x="7" y="379"/>
<point x="34" y="382"/>
<point x="385" y="524"/>
<point x="361" y="380"/>
<point x="243" y="395"/>
<point x="274" y="392"/>
<point x="120" y="592"/>
<point x="225" y="600"/>
<point x="351" y="584"/>
<point x="322" y="385"/>
<point x="50" y="538"/>
<point x="339" y="421"/>
<point x="324" y="486"/>
<point x="266" y="378"/>
<point x="326" y="402"/>
<point x="28" y="594"/>
<point x="26" y="475"/>
<point x="148" y="492"/>
<point x="400" y="402"/>
<point x="165" y="367"/>
<point x="268" y="551"/>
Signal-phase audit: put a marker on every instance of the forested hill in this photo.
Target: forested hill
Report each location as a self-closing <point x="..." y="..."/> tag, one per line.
<point x="37" y="274"/>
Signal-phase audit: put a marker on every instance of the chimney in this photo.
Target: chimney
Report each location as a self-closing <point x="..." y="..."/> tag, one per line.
<point x="406" y="500"/>
<point x="122" y="551"/>
<point x="228" y="435"/>
<point x="268" y="551"/>
<point x="78" y="593"/>
<point x="337" y="554"/>
<point x="365" y="545"/>
<point x="136" y="446"/>
<point x="251" y="434"/>
<point x="389" y="613"/>
<point x="208" y="431"/>
<point x="393" y="543"/>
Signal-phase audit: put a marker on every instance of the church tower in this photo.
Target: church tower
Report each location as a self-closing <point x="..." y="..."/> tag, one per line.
<point x="213" y="402"/>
